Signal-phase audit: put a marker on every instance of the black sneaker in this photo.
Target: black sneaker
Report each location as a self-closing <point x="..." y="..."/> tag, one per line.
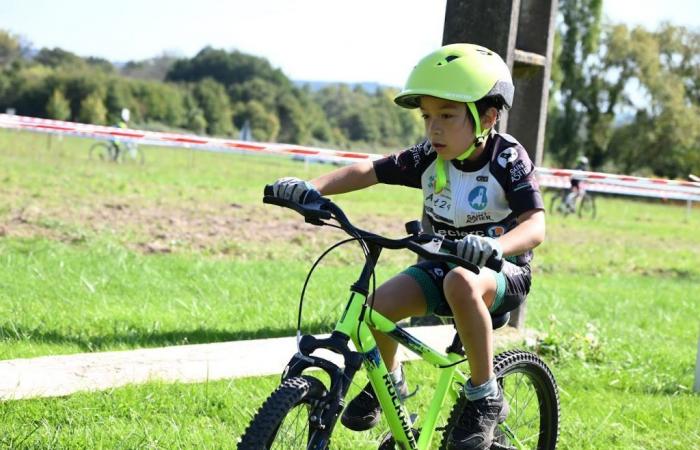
<point x="476" y="425"/>
<point x="363" y="412"/>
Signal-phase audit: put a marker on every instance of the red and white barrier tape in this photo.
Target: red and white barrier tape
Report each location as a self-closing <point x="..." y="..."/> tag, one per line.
<point x="557" y="178"/>
<point x="177" y="139"/>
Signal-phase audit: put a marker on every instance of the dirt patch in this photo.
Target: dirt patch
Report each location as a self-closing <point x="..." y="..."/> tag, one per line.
<point x="168" y="228"/>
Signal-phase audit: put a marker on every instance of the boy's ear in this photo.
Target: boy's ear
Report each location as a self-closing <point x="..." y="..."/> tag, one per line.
<point x="489" y="119"/>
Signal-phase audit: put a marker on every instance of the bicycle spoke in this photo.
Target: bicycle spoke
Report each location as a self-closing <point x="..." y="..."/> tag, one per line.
<point x="290" y="437"/>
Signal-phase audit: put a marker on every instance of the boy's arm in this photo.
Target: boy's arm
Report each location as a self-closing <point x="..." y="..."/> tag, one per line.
<point x="528" y="234"/>
<point x="346" y="179"/>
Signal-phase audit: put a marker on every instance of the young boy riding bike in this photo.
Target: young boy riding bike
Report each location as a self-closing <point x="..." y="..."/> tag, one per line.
<point x="478" y="189"/>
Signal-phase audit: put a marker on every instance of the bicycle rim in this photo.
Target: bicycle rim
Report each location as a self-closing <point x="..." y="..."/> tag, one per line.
<point x="531" y="392"/>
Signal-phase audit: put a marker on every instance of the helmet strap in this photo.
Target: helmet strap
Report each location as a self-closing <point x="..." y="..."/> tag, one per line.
<point x="479" y="139"/>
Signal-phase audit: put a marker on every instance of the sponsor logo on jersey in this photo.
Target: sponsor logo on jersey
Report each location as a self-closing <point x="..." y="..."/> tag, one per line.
<point x="518" y="171"/>
<point x="482" y="178"/>
<point x="495" y="231"/>
<point x="416" y="154"/>
<point x="507" y="156"/>
<point x="481" y="217"/>
<point x="478" y="198"/>
<point x="460" y="234"/>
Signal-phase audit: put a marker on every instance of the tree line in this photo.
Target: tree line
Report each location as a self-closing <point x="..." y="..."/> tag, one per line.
<point x="627" y="98"/>
<point x="216" y="92"/>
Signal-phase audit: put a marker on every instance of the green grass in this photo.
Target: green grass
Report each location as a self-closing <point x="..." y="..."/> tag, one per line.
<point x="616" y="299"/>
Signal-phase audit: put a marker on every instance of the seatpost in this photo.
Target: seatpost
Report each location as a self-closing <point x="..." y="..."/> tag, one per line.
<point x="361" y="286"/>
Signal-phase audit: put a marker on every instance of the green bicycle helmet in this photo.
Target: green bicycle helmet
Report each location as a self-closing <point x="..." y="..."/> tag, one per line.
<point x="463" y="73"/>
<point x="460" y="72"/>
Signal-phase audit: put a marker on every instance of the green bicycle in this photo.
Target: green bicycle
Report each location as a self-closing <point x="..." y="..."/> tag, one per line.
<point x="302" y="412"/>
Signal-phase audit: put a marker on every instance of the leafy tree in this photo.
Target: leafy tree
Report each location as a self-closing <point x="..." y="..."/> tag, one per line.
<point x="58" y="107"/>
<point x="293" y="126"/>
<point x="92" y="110"/>
<point x="160" y="102"/>
<point x="664" y="134"/>
<point x="214" y="102"/>
<point x="577" y="92"/>
<point x="119" y="96"/>
<point x="57" y="57"/>
<point x="227" y="68"/>
<point x="10" y="48"/>
<point x="195" y="116"/>
<point x="264" y="124"/>
<point x="154" y="69"/>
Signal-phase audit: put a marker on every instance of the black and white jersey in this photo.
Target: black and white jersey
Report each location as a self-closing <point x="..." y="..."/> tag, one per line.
<point x="483" y="197"/>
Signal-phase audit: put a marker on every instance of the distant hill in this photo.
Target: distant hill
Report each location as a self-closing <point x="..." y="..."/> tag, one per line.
<point x="368" y="86"/>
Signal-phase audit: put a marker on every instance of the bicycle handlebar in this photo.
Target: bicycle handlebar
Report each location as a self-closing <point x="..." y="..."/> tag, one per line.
<point x="318" y="209"/>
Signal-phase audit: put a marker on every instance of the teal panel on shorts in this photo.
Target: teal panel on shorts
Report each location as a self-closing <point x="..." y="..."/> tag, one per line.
<point x="434" y="295"/>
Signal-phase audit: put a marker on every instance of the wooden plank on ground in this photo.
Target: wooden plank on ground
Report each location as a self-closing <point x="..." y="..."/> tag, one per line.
<point x="51" y="376"/>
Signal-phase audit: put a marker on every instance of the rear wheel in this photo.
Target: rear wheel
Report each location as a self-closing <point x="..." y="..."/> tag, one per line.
<point x="531" y="392"/>
<point x="131" y="153"/>
<point x="586" y="209"/>
<point x="286" y="419"/>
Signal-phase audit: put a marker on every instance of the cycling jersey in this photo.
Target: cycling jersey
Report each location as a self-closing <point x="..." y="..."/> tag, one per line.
<point x="482" y="197"/>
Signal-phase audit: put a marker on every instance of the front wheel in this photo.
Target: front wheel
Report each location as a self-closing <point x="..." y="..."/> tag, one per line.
<point x="102" y="151"/>
<point x="286" y="418"/>
<point x="558" y="205"/>
<point x="529" y="387"/>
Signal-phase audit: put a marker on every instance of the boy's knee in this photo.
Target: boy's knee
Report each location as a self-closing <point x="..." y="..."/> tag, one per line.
<point x="459" y="284"/>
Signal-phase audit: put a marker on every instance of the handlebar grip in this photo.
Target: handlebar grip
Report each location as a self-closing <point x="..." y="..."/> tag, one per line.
<point x="495" y="264"/>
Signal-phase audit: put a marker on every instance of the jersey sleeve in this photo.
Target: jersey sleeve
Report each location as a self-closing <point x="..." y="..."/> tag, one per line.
<point x="405" y="167"/>
<point x="516" y="173"/>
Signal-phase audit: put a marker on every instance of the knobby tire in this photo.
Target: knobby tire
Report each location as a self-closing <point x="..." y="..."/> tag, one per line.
<point x="534" y="419"/>
<point x="294" y="398"/>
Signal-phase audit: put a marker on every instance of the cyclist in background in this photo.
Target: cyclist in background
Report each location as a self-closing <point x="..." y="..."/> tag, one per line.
<point x="125" y="148"/>
<point x="478" y="189"/>
<point x="576" y="190"/>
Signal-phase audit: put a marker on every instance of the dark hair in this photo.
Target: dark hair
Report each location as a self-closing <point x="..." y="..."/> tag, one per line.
<point x="482" y="105"/>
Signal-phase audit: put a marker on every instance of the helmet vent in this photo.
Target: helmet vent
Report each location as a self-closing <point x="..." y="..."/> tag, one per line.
<point x="448" y="59"/>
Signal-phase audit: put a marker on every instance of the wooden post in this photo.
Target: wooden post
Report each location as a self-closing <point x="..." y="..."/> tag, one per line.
<point x="522" y="32"/>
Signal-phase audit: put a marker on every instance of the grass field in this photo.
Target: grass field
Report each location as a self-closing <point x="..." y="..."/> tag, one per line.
<point x="97" y="256"/>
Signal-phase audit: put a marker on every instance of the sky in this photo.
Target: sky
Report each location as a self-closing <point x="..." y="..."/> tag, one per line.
<point x="309" y="40"/>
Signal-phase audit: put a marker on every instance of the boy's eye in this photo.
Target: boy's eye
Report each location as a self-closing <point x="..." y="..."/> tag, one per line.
<point x="424" y="116"/>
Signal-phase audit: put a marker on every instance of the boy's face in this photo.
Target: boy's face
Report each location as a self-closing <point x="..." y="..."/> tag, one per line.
<point x="447" y="126"/>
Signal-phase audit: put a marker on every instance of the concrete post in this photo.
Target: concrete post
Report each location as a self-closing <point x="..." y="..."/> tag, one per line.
<point x="522" y="32"/>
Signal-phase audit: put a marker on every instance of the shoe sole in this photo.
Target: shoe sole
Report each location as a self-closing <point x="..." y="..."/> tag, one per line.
<point x="358" y="424"/>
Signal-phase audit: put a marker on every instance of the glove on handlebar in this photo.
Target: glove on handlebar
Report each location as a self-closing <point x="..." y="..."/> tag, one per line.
<point x="295" y="190"/>
<point x="477" y="249"/>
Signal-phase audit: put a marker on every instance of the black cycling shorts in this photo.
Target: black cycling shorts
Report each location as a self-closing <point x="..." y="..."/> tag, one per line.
<point x="512" y="286"/>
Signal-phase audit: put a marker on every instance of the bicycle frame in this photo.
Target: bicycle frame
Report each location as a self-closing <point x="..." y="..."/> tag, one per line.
<point x="356" y="323"/>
